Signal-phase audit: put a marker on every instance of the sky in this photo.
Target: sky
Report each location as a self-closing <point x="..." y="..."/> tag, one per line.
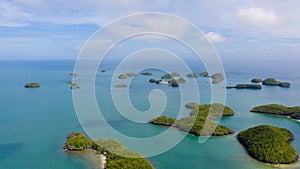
<point x="49" y="29"/>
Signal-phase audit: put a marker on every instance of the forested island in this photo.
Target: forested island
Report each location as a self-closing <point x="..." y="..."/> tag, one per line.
<point x="269" y="144"/>
<point x="192" y="75"/>
<point x="146" y="73"/>
<point x="245" y="86"/>
<point x="32" y="85"/>
<point x="280" y="110"/>
<point x="114" y="153"/>
<point x="271" y="82"/>
<point x="194" y="123"/>
<point x="126" y="75"/>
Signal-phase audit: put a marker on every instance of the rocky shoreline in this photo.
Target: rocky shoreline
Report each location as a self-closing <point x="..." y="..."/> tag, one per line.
<point x="112" y="153"/>
<point x="245" y="86"/>
<point x="278" y="110"/>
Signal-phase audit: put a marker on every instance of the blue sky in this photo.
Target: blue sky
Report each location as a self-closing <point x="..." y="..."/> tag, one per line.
<point x="47" y="29"/>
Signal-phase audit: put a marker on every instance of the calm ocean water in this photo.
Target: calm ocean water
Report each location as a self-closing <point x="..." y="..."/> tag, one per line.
<point x="34" y="123"/>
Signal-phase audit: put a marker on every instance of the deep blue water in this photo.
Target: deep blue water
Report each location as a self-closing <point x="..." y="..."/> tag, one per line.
<point x="34" y="123"/>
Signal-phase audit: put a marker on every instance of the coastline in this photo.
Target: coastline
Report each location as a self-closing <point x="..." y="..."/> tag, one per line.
<point x="96" y="160"/>
<point x="191" y="133"/>
<point x="281" y="116"/>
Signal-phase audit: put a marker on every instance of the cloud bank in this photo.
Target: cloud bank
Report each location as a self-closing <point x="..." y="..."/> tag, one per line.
<point x="259" y="17"/>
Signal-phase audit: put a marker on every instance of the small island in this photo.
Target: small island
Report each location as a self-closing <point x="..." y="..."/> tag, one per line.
<point x="180" y="80"/>
<point x="69" y="82"/>
<point x="126" y="75"/>
<point x="167" y="76"/>
<point x="204" y="74"/>
<point x="270" y="82"/>
<point x="120" y="86"/>
<point x="216" y="110"/>
<point x="269" y="144"/>
<point x="176" y="82"/>
<point x="175" y="74"/>
<point x="192" y="75"/>
<point x="32" y="85"/>
<point x="113" y="154"/>
<point x="274" y="82"/>
<point x="256" y="80"/>
<point x="146" y="73"/>
<point x="73" y="74"/>
<point x="245" y="86"/>
<point x="172" y="82"/>
<point x="284" y="84"/>
<point x="217" y="77"/>
<point x="74" y="85"/>
<point x="191" y="105"/>
<point x="200" y="115"/>
<point x="280" y="110"/>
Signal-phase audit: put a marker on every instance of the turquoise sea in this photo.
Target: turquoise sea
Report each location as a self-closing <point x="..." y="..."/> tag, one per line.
<point x="34" y="123"/>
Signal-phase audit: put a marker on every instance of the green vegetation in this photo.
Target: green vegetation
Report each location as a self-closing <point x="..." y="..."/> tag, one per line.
<point x="256" y="80"/>
<point x="172" y="82"/>
<point x="121" y="162"/>
<point x="214" y="110"/>
<point x="198" y="117"/>
<point x="191" y="105"/>
<point x="175" y="74"/>
<point x="204" y="74"/>
<point x="167" y="76"/>
<point x="270" y="82"/>
<point x="117" y="156"/>
<point x="146" y="73"/>
<point x="126" y="75"/>
<point x="163" y="120"/>
<point x="152" y="81"/>
<point x="120" y="157"/>
<point x="192" y="75"/>
<point x="120" y="85"/>
<point x="245" y="86"/>
<point x="277" y="109"/>
<point x="284" y="84"/>
<point x="32" y="85"/>
<point x="194" y="125"/>
<point x="79" y="142"/>
<point x="269" y="144"/>
<point x="115" y="147"/>
<point x="217" y="77"/>
<point x="178" y="81"/>
<point x="170" y="76"/>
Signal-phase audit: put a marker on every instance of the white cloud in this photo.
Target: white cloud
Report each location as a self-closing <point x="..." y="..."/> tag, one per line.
<point x="259" y="17"/>
<point x="215" y="37"/>
<point x="238" y="20"/>
<point x="162" y="25"/>
<point x="13" y="16"/>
